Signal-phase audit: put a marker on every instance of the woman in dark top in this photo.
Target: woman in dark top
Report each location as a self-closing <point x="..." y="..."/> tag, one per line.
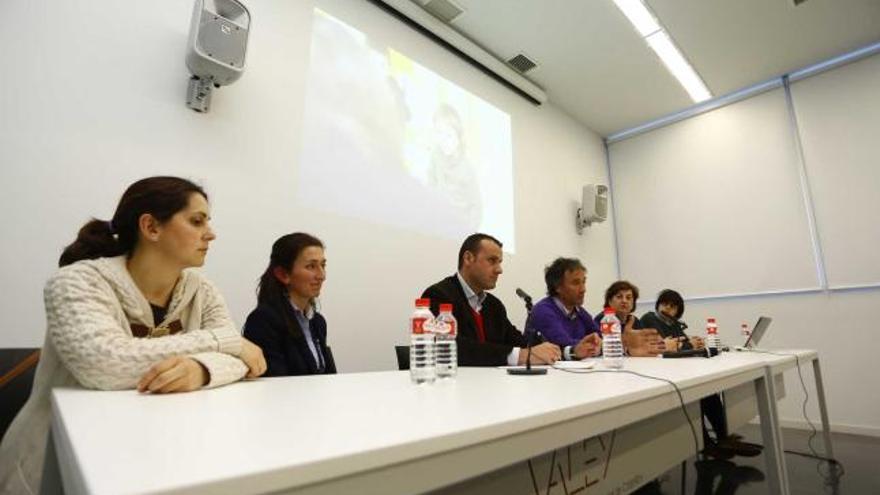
<point x="666" y="318"/>
<point x="286" y="323"/>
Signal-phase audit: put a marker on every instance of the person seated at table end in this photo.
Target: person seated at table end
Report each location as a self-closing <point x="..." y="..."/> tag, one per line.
<point x="667" y="320"/>
<point x="124" y="312"/>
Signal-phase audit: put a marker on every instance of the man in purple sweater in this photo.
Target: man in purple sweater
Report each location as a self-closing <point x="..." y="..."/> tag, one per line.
<point x="560" y="317"/>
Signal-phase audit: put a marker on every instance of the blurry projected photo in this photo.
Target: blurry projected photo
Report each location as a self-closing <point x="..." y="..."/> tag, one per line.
<point x="387" y="140"/>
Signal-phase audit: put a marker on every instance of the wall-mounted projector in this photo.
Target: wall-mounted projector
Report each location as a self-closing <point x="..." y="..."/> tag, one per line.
<point x="594" y="206"/>
<point x="215" y="55"/>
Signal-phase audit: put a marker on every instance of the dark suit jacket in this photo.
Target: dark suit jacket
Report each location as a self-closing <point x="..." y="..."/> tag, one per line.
<point x="287" y="352"/>
<point x="501" y="335"/>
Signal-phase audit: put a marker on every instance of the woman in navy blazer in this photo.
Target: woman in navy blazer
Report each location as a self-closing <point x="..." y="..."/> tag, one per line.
<point x="286" y="323"/>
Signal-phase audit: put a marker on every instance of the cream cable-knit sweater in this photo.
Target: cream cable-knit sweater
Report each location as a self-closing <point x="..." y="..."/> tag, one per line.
<point x="90" y="306"/>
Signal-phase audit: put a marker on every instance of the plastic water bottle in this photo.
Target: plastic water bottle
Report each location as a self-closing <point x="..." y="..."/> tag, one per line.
<point x="612" y="345"/>
<point x="713" y="342"/>
<point x="421" y="344"/>
<point x="445" y="329"/>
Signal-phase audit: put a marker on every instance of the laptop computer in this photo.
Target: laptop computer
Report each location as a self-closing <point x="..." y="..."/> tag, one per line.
<point x="757" y="333"/>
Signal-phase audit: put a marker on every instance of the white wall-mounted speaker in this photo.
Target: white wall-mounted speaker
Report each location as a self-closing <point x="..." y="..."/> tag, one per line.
<point x="594" y="206"/>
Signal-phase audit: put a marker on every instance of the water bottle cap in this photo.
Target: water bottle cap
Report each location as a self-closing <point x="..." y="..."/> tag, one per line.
<point x="423" y="302"/>
<point x="609" y="311"/>
<point x="445" y="307"/>
<point x="711" y="320"/>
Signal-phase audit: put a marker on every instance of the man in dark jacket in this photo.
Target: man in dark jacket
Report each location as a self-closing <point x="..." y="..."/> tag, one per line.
<point x="486" y="337"/>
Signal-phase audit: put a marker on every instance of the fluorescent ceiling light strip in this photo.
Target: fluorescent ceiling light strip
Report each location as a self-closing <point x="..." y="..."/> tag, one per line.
<point x="678" y="66"/>
<point x="639" y="16"/>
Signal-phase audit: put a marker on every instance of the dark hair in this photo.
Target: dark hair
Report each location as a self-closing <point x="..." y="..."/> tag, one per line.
<point x="472" y="245"/>
<point x="555" y="272"/>
<point x="270" y="290"/>
<point x="161" y="197"/>
<point x="670" y="296"/>
<point x="620" y="286"/>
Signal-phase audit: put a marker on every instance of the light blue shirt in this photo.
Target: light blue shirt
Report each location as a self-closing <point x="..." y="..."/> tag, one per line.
<point x="303" y="320"/>
<point x="475" y="300"/>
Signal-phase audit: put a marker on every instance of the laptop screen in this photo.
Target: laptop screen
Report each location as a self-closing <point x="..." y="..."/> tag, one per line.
<point x="758" y="332"/>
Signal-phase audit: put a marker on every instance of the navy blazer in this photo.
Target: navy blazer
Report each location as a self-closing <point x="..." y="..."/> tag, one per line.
<point x="286" y="351"/>
<point x="501" y="335"/>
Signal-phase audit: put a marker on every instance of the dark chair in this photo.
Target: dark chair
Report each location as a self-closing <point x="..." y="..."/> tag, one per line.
<point x="17" y="367"/>
<point x="402" y="357"/>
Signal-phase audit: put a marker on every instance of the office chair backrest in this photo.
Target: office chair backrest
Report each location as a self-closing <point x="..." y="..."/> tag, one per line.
<point x="402" y="352"/>
<point x="17" y="367"/>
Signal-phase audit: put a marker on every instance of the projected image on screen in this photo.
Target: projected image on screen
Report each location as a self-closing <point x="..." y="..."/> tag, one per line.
<point x="387" y="140"/>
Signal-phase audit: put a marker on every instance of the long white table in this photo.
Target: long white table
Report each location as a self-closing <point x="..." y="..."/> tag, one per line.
<point x="376" y="432"/>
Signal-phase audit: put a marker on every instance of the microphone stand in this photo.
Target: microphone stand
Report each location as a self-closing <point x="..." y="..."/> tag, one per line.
<point x="530" y="334"/>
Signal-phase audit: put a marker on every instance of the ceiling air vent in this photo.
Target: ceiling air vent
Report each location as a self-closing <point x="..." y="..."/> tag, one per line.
<point x="444" y="10"/>
<point x="522" y="63"/>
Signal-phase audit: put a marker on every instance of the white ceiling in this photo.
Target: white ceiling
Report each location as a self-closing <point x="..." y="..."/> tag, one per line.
<point x="595" y="66"/>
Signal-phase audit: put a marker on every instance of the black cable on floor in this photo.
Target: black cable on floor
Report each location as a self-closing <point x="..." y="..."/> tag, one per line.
<point x="817" y="457"/>
<point x="677" y="391"/>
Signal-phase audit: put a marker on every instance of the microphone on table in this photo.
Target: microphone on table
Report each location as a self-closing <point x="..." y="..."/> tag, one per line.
<point x="530" y="333"/>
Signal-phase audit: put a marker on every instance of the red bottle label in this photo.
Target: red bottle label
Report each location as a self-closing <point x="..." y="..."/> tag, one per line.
<point x="418" y="325"/>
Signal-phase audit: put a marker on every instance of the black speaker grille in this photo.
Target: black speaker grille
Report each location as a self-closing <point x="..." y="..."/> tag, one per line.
<point x="522" y="63"/>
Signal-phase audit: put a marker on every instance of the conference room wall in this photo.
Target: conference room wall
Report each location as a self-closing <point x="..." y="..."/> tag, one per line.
<point x="836" y="322"/>
<point x="93" y="98"/>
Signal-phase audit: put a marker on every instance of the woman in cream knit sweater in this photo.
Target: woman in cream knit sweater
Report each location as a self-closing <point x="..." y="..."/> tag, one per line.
<point x="123" y="312"/>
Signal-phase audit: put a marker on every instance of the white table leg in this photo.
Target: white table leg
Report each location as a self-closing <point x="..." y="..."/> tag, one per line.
<point x="823" y="408"/>
<point x="777" y="475"/>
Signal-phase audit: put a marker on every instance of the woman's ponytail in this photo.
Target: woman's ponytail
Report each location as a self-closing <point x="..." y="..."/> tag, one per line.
<point x="95" y="239"/>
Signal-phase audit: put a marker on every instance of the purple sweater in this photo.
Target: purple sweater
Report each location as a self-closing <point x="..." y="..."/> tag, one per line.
<point x="557" y="327"/>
